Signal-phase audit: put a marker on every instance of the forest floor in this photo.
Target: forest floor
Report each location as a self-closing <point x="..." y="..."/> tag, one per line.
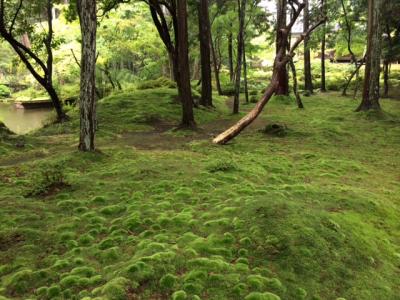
<point x="163" y="214"/>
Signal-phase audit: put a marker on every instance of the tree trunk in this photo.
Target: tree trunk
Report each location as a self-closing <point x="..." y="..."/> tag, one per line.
<point x="386" y="66"/>
<point x="216" y="67"/>
<point x="323" y="50"/>
<point x="204" y="37"/>
<point x="240" y="47"/>
<point x="230" y="56"/>
<point x="184" y="88"/>
<point x="88" y="22"/>
<point x="308" y="85"/>
<point x="370" y="98"/>
<point x="295" y="88"/>
<point x="246" y="86"/>
<point x="281" y="41"/>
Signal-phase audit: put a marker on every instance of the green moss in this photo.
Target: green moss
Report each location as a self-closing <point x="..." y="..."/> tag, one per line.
<point x="261" y="296"/>
<point x="20" y="281"/>
<point x="70" y="281"/>
<point x="53" y="291"/>
<point x="168" y="281"/>
<point x="179" y="295"/>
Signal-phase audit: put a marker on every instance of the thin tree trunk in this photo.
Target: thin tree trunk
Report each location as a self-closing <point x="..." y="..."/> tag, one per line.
<point x="184" y="88"/>
<point x="308" y="85"/>
<point x="230" y="56"/>
<point x="281" y="42"/>
<point x="355" y="72"/>
<point x="386" y="67"/>
<point x="295" y="85"/>
<point x="370" y="98"/>
<point x="246" y="86"/>
<point x="216" y="67"/>
<point x="240" y="46"/>
<point x="323" y="50"/>
<point x="88" y="22"/>
<point x="204" y="37"/>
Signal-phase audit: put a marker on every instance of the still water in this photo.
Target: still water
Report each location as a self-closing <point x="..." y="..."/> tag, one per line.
<point x="22" y="121"/>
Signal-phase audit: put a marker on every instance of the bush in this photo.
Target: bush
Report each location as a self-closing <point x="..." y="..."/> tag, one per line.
<point x="50" y="179"/>
<point x="5" y="92"/>
<point x="254" y="99"/>
<point x="157" y="83"/>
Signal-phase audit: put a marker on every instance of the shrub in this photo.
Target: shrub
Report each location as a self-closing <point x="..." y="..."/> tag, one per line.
<point x="51" y="178"/>
<point x="5" y="92"/>
<point x="254" y="99"/>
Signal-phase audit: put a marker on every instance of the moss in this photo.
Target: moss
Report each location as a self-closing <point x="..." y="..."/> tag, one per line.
<point x="116" y="289"/>
<point x="168" y="281"/>
<point x="179" y="295"/>
<point x="53" y="291"/>
<point x="70" y="281"/>
<point x="20" y="281"/>
<point x="262" y="296"/>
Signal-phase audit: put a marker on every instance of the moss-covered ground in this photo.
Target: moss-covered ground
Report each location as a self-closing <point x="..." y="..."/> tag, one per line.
<point x="164" y="214"/>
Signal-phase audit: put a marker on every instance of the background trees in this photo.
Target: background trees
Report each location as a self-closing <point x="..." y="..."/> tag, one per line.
<point x="18" y="18"/>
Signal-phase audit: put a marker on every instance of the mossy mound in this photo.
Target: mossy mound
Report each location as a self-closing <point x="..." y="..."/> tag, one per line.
<point x="278" y="130"/>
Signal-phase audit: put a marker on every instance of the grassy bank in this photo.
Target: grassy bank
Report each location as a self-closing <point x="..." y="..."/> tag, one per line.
<point x="160" y="214"/>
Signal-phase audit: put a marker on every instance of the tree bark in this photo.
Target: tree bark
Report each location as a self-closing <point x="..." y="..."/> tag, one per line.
<point x="184" y="88"/>
<point x="216" y="65"/>
<point x="323" y="50"/>
<point x="204" y="37"/>
<point x="281" y="42"/>
<point x="88" y="23"/>
<point x="308" y="85"/>
<point x="386" y="67"/>
<point x="295" y="85"/>
<point x="230" y="56"/>
<point x="240" y="46"/>
<point x="370" y="99"/>
<point x="246" y="86"/>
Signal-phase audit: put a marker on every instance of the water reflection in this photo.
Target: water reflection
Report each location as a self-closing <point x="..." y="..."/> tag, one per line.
<point x="22" y="121"/>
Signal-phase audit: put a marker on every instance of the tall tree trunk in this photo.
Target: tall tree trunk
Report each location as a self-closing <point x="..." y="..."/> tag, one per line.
<point x="323" y="55"/>
<point x="323" y="50"/>
<point x="246" y="84"/>
<point x="204" y="37"/>
<point x="240" y="47"/>
<point x="281" y="42"/>
<point x="88" y="22"/>
<point x="184" y="88"/>
<point x="308" y="85"/>
<point x="216" y="65"/>
<point x="370" y="99"/>
<point x="230" y="56"/>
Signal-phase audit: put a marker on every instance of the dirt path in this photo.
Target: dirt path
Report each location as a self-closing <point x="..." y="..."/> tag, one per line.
<point x="164" y="136"/>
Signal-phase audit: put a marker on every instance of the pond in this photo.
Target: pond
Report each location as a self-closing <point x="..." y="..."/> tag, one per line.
<point x="22" y="121"/>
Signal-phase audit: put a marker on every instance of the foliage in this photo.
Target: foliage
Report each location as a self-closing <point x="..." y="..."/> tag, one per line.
<point x="5" y="92"/>
<point x="50" y="178"/>
<point x="157" y="83"/>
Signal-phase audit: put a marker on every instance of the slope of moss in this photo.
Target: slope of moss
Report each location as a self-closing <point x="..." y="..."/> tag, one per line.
<point x="309" y="215"/>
